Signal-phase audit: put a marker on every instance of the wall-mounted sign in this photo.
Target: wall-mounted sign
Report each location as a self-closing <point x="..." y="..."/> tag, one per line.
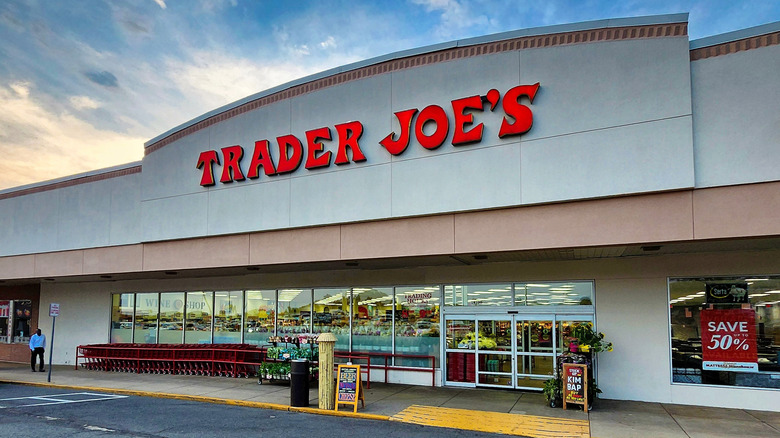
<point x="349" y="388"/>
<point x="728" y="340"/>
<point x="575" y="384"/>
<point x="430" y="127"/>
<point x="727" y="293"/>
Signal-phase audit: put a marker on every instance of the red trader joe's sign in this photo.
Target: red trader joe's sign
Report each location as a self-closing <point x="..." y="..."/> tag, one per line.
<point x="728" y="340"/>
<point x="430" y="126"/>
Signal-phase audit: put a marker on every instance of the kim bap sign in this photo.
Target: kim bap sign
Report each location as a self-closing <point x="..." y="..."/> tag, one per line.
<point x="429" y="126"/>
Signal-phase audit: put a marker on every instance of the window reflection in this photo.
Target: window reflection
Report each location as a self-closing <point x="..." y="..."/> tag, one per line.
<point x="479" y="294"/>
<point x="171" y="317"/>
<point x="417" y="323"/>
<point x="331" y="315"/>
<point x="570" y="293"/>
<point x="228" y="307"/>
<point x="372" y="320"/>
<point x="260" y="316"/>
<point x="294" y="312"/>
<point x="146" y="306"/>
<point x="122" y="306"/>
<point x="198" y="318"/>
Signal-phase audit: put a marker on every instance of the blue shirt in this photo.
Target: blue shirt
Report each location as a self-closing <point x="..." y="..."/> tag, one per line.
<point x="37" y="341"/>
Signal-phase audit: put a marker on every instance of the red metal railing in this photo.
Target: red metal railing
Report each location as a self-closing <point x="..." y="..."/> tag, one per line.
<point x="387" y="361"/>
<point x="234" y="360"/>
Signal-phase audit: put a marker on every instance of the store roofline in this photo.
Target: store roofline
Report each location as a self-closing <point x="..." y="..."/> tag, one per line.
<point x="66" y="180"/>
<point x="736" y="35"/>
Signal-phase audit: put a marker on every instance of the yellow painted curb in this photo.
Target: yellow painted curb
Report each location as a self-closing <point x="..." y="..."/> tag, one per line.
<point x="204" y="399"/>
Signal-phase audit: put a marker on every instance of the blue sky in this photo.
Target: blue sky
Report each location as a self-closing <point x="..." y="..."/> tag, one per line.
<point x="84" y="83"/>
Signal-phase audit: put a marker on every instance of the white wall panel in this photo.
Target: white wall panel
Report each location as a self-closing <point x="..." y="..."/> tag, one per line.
<point x="125" y="226"/>
<point x="249" y="207"/>
<point x="84" y="215"/>
<point x="736" y="118"/>
<point x="360" y="193"/>
<point x="599" y="85"/>
<point x="32" y="223"/>
<point x="645" y="157"/>
<point x="632" y="312"/>
<point x="175" y="218"/>
<point x="470" y="179"/>
<point x="85" y="317"/>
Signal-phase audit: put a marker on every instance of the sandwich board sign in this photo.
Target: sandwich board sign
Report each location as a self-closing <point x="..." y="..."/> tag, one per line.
<point x="349" y="386"/>
<point x="575" y="385"/>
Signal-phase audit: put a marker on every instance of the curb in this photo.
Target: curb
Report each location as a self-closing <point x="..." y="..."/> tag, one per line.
<point x="204" y="399"/>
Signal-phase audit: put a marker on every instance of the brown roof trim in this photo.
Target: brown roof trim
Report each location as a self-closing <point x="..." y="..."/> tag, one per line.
<point x="742" y="45"/>
<point x="72" y="182"/>
<point x="529" y="42"/>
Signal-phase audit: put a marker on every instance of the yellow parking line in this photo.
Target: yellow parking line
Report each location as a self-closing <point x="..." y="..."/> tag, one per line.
<point x="496" y="422"/>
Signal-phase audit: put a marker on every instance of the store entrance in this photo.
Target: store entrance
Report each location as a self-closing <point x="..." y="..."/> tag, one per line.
<point x="505" y="351"/>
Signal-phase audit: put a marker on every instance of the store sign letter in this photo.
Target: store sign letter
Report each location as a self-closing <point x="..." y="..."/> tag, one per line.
<point x="429" y="126"/>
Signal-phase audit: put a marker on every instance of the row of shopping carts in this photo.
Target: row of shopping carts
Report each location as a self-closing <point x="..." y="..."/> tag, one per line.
<point x="231" y="360"/>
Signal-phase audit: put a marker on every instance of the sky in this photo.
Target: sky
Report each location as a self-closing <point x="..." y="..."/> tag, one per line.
<point x="84" y="83"/>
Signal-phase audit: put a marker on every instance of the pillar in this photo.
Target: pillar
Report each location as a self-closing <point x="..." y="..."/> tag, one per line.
<point x="327" y="393"/>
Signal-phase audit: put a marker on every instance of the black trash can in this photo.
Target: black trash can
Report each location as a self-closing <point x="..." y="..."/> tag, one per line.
<point x="299" y="383"/>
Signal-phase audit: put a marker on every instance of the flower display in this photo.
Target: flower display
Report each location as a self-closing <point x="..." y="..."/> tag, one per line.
<point x="588" y="340"/>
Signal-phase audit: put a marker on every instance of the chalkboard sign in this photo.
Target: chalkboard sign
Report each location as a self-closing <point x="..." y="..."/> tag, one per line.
<point x="349" y="386"/>
<point x="575" y="384"/>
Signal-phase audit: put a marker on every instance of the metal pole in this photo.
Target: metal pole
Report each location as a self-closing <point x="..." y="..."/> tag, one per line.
<point x="51" y="346"/>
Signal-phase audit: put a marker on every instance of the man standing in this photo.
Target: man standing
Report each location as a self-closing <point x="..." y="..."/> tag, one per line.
<point x="37" y="346"/>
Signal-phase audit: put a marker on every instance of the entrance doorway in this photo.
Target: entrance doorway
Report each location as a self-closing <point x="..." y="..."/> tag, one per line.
<point x="505" y="350"/>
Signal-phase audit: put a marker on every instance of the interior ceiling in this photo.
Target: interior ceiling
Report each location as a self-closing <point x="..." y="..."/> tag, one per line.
<point x="539" y="255"/>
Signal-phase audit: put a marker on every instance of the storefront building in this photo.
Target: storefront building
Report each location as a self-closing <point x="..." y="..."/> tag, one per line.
<point x="466" y="203"/>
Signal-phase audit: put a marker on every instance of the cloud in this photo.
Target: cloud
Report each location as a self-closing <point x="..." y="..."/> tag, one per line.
<point x="161" y="3"/>
<point x="41" y="144"/>
<point x="104" y="78"/>
<point x="83" y="102"/>
<point x="329" y="43"/>
<point x="455" y="17"/>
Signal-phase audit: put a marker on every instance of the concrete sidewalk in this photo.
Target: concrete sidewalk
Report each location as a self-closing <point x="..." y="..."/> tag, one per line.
<point x="500" y="411"/>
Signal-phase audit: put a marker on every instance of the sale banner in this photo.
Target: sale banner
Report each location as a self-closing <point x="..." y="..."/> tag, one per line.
<point x="728" y="340"/>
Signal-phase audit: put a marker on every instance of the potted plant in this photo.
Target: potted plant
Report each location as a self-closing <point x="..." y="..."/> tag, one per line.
<point x="553" y="390"/>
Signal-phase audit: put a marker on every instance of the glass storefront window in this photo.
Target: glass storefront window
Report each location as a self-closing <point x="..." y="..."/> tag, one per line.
<point x="726" y="330"/>
<point x="331" y="314"/>
<point x="568" y="293"/>
<point x="372" y="321"/>
<point x="198" y="316"/>
<point x="479" y="295"/>
<point x="228" y="312"/>
<point x="5" y="316"/>
<point x="260" y="316"/>
<point x="146" y="307"/>
<point x="417" y="324"/>
<point x="171" y="317"/>
<point x="20" y="320"/>
<point x="294" y="312"/>
<point x="122" y="306"/>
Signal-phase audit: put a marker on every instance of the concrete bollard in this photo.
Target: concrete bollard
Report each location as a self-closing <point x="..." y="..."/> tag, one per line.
<point x="327" y="393"/>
